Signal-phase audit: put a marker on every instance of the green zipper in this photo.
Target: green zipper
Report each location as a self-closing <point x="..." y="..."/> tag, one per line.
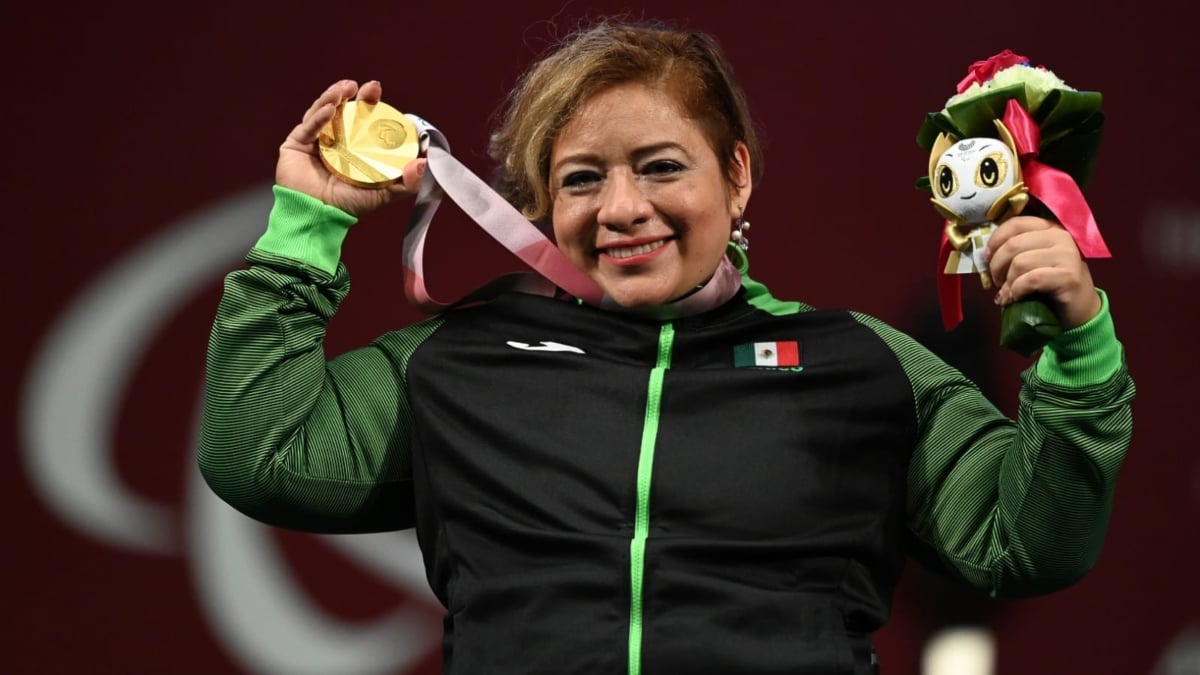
<point x="641" y="524"/>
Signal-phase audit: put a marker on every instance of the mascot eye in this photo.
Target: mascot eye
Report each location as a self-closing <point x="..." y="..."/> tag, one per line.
<point x="991" y="171"/>
<point x="946" y="183"/>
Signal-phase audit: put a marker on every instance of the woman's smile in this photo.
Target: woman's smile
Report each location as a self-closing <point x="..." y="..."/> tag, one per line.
<point x="633" y="253"/>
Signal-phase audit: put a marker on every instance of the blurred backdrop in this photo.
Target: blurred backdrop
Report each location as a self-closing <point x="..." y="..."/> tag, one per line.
<point x="141" y="145"/>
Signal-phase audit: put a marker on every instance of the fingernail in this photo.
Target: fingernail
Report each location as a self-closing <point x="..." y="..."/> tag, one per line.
<point x="996" y="299"/>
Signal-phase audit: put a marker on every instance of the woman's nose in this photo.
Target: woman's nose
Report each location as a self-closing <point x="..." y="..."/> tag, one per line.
<point x="623" y="204"/>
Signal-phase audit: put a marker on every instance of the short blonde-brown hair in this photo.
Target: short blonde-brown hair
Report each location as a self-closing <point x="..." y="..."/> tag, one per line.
<point x="686" y="64"/>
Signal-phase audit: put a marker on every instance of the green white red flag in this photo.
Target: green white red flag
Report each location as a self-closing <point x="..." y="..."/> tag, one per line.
<point x="781" y="354"/>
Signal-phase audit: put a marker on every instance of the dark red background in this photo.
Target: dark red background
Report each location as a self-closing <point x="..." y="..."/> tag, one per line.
<point x="123" y="121"/>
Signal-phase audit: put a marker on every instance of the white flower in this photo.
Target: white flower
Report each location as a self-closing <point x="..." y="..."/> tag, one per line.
<point x="1038" y="82"/>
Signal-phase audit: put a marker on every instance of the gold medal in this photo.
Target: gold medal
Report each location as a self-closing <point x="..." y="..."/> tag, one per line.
<point x="368" y="144"/>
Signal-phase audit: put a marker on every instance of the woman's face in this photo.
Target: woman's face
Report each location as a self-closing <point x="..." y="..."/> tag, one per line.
<point x="641" y="203"/>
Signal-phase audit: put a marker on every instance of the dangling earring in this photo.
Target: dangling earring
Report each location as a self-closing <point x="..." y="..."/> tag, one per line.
<point x="740" y="227"/>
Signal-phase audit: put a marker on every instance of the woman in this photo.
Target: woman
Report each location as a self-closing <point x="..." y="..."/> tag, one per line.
<point x="603" y="490"/>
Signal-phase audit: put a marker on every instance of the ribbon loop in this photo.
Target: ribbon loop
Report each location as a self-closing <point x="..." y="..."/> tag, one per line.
<point x="1053" y="187"/>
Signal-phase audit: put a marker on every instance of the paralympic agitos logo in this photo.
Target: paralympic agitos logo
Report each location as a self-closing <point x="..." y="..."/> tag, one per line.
<point x="249" y="596"/>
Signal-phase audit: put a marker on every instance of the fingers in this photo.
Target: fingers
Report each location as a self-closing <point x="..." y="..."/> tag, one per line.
<point x="1018" y="235"/>
<point x="1026" y="273"/>
<point x="370" y="92"/>
<point x="1036" y="280"/>
<point x="305" y="133"/>
<point x="319" y="113"/>
<point x="1070" y="289"/>
<point x="335" y="94"/>
<point x="410" y="181"/>
<point x="324" y="107"/>
<point x="1030" y="255"/>
<point x="1013" y="227"/>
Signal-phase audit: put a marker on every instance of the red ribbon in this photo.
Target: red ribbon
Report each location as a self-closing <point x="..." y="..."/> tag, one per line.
<point x="949" y="287"/>
<point x="1052" y="187"/>
<point x="982" y="71"/>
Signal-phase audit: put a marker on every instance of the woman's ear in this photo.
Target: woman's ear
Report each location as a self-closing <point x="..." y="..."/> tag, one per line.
<point x="741" y="180"/>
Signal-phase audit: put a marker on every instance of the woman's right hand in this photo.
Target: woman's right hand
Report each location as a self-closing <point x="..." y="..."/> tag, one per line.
<point x="301" y="169"/>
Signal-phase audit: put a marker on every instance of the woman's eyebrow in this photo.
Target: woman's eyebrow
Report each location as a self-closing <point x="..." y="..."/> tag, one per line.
<point x="655" y="148"/>
<point x="637" y="155"/>
<point x="577" y="158"/>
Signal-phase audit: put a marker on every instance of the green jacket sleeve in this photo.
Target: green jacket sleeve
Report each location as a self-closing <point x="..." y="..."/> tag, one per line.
<point x="1018" y="508"/>
<point x="287" y="437"/>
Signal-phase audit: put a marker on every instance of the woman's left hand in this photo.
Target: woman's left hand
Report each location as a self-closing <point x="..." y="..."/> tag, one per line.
<point x="1027" y="254"/>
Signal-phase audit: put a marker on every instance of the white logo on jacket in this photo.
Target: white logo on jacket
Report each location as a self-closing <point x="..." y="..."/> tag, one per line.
<point x="545" y="346"/>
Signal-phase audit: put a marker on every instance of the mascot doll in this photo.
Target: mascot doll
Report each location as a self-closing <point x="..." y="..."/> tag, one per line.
<point x="977" y="185"/>
<point x="1015" y="138"/>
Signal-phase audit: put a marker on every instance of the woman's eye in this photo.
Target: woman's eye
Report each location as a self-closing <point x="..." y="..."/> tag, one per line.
<point x="580" y="179"/>
<point x="662" y="166"/>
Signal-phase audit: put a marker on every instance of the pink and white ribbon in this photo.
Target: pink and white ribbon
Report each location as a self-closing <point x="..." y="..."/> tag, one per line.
<point x="446" y="175"/>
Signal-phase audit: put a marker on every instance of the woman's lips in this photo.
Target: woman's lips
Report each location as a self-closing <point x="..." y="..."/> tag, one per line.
<point x="635" y="253"/>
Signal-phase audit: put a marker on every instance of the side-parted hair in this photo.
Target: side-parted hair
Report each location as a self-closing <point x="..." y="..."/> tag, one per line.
<point x="686" y="64"/>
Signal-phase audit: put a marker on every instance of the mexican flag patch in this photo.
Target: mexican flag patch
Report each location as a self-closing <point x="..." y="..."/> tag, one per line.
<point x="767" y="355"/>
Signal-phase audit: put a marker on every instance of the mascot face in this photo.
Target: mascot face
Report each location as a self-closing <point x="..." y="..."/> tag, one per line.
<point x="970" y="175"/>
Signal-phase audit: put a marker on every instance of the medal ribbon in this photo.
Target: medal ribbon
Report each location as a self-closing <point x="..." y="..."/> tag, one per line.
<point x="446" y="175"/>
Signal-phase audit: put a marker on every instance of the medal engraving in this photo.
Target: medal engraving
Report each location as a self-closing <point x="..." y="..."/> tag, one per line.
<point x="389" y="134"/>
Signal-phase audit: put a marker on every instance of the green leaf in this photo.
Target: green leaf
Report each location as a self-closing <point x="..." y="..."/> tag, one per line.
<point x="936" y="123"/>
<point x="1028" y="325"/>
<point x="974" y="116"/>
<point x="1076" y="152"/>
<point x="1066" y="109"/>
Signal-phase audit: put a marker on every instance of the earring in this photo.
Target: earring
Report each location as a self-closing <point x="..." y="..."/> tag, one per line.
<point x="738" y="236"/>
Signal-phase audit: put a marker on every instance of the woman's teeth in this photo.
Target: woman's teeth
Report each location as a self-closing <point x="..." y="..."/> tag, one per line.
<point x="631" y="251"/>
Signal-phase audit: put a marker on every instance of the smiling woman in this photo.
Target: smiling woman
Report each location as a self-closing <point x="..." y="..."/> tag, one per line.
<point x="641" y="203"/>
<point x="730" y="486"/>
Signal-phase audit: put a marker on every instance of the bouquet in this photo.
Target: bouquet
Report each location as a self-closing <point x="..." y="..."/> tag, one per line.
<point x="1014" y="138"/>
